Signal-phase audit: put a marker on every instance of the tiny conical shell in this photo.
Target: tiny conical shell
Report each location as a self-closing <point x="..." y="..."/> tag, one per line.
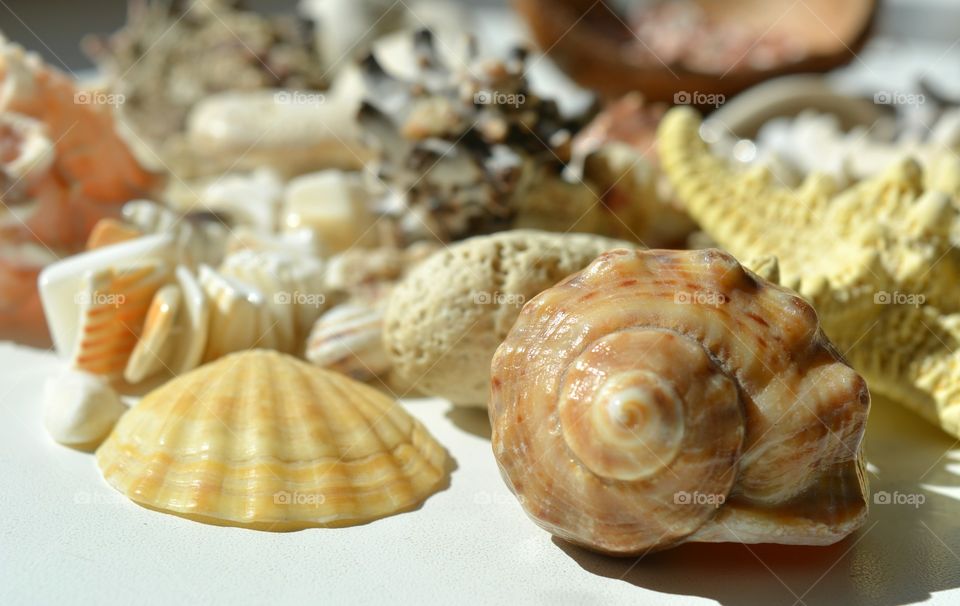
<point x="260" y="439"/>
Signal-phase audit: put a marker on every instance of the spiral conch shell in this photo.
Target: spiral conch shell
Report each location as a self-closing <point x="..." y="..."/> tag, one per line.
<point x="262" y="440"/>
<point x="659" y="397"/>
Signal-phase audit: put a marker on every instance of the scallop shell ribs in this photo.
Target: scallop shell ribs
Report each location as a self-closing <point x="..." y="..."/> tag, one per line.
<point x="262" y="440"/>
<point x="660" y="397"/>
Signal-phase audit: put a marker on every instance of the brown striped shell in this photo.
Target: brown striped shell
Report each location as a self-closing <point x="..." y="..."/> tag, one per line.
<point x="659" y="397"/>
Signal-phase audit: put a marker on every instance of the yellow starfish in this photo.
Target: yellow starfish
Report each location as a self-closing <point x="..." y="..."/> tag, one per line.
<point x="879" y="261"/>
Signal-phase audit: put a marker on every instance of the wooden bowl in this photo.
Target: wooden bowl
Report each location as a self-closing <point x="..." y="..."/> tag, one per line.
<point x="592" y="44"/>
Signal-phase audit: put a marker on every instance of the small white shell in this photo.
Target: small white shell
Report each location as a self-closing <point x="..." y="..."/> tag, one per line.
<point x="333" y="204"/>
<point x="152" y="353"/>
<point x="236" y="313"/>
<point x="196" y="241"/>
<point x="251" y="199"/>
<point x="349" y="339"/>
<point x="79" y="408"/>
<point x="291" y="132"/>
<point x="292" y="289"/>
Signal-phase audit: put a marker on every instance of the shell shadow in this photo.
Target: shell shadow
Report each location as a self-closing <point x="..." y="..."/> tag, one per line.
<point x="471" y="420"/>
<point x="907" y="550"/>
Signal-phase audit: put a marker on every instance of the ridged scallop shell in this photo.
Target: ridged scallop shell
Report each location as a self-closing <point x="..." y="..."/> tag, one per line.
<point x="114" y="306"/>
<point x="659" y="397"/>
<point x="260" y="439"/>
<point x="349" y="339"/>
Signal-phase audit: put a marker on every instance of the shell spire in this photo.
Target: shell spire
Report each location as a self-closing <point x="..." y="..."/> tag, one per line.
<point x="878" y="261"/>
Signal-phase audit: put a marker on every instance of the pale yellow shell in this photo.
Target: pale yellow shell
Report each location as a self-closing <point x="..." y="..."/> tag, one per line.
<point x="659" y="397"/>
<point x="263" y="440"/>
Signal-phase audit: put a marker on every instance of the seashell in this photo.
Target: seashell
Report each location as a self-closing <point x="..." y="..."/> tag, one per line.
<point x="878" y="261"/>
<point x="198" y="239"/>
<point x="367" y="275"/>
<point x="291" y="132"/>
<point x="61" y="283"/>
<point x="660" y="397"/>
<point x="466" y="297"/>
<point x="251" y="199"/>
<point x="63" y="168"/>
<point x="110" y="231"/>
<point x="337" y="206"/>
<point x="262" y="440"/>
<point x="30" y="161"/>
<point x="349" y="339"/>
<point x="80" y="408"/>
<point x="292" y="290"/>
<point x="452" y="163"/>
<point x="238" y="314"/>
<point x="113" y="312"/>
<point x="174" y="332"/>
<point x="193" y="323"/>
<point x="152" y="351"/>
<point x="302" y="243"/>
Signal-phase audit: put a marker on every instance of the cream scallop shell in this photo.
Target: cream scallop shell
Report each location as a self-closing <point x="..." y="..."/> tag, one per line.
<point x="260" y="439"/>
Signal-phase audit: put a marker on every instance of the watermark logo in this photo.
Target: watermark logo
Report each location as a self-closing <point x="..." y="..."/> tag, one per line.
<point x="498" y="298"/>
<point x="296" y="297"/>
<point x="91" y="97"/>
<point x="698" y="498"/>
<point x="898" y="298"/>
<point x="899" y="498"/>
<point x="100" y="299"/>
<point x="898" y="98"/>
<point x="99" y="498"/>
<point x="284" y="497"/>
<point x="696" y="97"/>
<point x="492" y="97"/>
<point x="700" y="297"/>
<point x="297" y="97"/>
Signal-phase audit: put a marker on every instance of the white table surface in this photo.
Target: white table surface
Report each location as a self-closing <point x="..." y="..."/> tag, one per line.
<point x="66" y="536"/>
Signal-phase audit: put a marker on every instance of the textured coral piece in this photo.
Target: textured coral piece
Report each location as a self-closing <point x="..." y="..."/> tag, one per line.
<point x="878" y="261"/>
<point x="446" y="317"/>
<point x="260" y="439"/>
<point x="658" y="397"/>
